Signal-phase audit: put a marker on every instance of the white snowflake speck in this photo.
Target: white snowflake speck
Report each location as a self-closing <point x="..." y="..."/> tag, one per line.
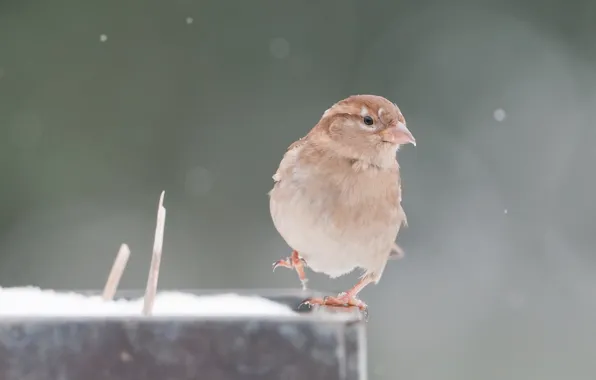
<point x="189" y="20"/>
<point x="103" y="38"/>
<point x="505" y="211"/>
<point x="499" y="114"/>
<point x="279" y="48"/>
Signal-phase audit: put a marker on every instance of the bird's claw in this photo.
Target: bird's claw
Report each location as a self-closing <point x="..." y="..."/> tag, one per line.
<point x="288" y="263"/>
<point x="341" y="300"/>
<point x="282" y="263"/>
<point x="294" y="262"/>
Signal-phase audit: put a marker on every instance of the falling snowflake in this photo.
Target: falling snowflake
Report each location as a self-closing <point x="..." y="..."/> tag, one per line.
<point x="499" y="114"/>
<point x="189" y="20"/>
<point x="103" y="38"/>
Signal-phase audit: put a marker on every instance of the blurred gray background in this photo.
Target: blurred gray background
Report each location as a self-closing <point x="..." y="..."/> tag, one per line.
<point x="104" y="104"/>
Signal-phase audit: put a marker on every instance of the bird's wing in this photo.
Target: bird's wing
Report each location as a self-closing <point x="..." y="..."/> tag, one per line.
<point x="289" y="158"/>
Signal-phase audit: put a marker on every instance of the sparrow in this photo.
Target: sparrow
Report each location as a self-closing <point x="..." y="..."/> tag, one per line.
<point x="336" y="198"/>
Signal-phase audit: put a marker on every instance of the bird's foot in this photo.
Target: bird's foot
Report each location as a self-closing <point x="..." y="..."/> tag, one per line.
<point x="341" y="300"/>
<point x="294" y="262"/>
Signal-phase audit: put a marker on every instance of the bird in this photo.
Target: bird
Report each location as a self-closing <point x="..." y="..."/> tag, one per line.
<point x="336" y="196"/>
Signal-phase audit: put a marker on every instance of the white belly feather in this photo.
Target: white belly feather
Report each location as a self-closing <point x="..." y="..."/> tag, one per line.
<point x="305" y="221"/>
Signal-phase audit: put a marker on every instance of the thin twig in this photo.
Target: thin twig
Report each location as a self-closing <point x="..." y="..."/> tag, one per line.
<point x="116" y="273"/>
<point x="151" y="289"/>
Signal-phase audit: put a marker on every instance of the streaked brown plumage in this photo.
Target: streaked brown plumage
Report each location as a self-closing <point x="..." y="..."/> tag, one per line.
<point x="336" y="200"/>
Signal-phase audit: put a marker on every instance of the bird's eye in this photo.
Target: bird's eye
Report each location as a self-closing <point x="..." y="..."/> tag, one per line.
<point x="368" y="120"/>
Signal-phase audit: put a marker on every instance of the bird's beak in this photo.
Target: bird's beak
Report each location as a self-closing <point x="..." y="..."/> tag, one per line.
<point x="398" y="135"/>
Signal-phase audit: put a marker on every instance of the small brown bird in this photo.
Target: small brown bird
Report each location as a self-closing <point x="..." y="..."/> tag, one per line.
<point x="336" y="200"/>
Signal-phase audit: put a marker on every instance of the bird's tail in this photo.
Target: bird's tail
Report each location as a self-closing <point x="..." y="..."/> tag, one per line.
<point x="396" y="252"/>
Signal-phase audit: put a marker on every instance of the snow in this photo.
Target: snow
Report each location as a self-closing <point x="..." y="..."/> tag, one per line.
<point x="499" y="114"/>
<point x="35" y="302"/>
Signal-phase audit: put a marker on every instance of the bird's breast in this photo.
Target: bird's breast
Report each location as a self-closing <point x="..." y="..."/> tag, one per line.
<point x="340" y="221"/>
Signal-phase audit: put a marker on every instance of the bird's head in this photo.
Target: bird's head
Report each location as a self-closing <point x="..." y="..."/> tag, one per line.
<point x="365" y="126"/>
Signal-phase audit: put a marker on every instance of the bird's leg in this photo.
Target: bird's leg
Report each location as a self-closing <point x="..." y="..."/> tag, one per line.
<point x="294" y="262"/>
<point x="347" y="299"/>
